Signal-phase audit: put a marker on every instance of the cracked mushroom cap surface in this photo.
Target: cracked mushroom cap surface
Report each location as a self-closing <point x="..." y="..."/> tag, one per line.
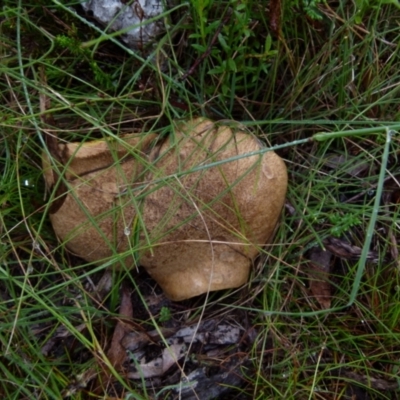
<point x="194" y="220"/>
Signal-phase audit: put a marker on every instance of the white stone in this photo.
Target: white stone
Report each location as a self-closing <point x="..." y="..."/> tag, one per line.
<point x="117" y="16"/>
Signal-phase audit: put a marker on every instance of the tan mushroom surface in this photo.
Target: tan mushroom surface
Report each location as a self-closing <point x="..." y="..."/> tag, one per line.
<point x="158" y="203"/>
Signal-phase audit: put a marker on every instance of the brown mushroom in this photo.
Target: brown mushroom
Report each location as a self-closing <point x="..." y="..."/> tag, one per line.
<point x="193" y="227"/>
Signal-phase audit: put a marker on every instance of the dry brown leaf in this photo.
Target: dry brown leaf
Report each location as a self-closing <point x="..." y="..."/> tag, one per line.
<point x="318" y="273"/>
<point x="369" y="381"/>
<point x="275" y="11"/>
<point x="117" y="353"/>
<point x="166" y="352"/>
<point x="343" y="249"/>
<point x="80" y="382"/>
<point x="61" y="333"/>
<point x="355" y="167"/>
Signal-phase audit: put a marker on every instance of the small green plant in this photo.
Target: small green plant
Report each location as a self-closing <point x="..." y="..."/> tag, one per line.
<point x="363" y="6"/>
<point x="72" y="44"/>
<point x="238" y="53"/>
<point x="310" y="7"/>
<point x="165" y="314"/>
<point x="342" y="223"/>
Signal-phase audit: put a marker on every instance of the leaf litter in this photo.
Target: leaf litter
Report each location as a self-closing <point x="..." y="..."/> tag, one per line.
<point x="181" y="358"/>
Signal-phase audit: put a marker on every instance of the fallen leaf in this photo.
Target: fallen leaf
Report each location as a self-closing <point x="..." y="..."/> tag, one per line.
<point x="352" y="165"/>
<point x="117" y="353"/>
<point x="161" y="364"/>
<point x="275" y="11"/>
<point x="199" y="384"/>
<point x="318" y="273"/>
<point x="61" y="333"/>
<point x="152" y="357"/>
<point x="343" y="249"/>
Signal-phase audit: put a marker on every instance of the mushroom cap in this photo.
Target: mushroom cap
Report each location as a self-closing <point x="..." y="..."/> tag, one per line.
<point x="194" y="210"/>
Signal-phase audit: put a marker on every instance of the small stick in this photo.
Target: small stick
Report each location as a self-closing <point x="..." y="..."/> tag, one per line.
<point x="51" y="141"/>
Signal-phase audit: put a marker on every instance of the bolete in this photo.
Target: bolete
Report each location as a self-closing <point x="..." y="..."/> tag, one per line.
<point x="194" y="209"/>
